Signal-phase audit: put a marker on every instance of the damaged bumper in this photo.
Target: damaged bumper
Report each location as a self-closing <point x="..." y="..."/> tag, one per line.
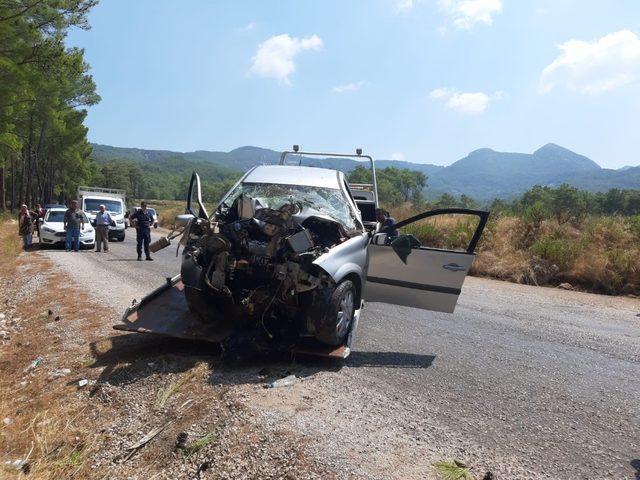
<point x="165" y="312"/>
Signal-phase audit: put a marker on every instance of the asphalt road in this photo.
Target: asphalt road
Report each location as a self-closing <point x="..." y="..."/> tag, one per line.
<point x="524" y="381"/>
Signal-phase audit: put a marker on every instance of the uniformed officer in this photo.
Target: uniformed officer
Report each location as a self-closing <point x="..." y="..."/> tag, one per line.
<point x="143" y="219"/>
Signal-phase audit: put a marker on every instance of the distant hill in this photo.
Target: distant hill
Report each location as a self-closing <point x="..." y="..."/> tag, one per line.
<point x="483" y="174"/>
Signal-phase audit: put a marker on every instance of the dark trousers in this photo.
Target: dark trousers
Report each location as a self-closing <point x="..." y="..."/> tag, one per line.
<point x="143" y="235"/>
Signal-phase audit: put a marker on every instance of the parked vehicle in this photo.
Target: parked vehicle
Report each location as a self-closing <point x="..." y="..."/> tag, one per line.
<point x="90" y="199"/>
<point x="286" y="257"/>
<point x="52" y="229"/>
<point x="53" y="205"/>
<point x="149" y="209"/>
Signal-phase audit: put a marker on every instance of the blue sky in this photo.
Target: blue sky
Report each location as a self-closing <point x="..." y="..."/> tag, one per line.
<point x="421" y="80"/>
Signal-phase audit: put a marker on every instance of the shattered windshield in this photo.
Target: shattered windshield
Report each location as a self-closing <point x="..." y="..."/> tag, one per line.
<point x="319" y="200"/>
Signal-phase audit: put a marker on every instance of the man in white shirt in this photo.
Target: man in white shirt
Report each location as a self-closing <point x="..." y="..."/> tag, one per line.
<point x="103" y="220"/>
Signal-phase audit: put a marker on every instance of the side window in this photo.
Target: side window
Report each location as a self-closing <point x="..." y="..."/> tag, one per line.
<point x="446" y="231"/>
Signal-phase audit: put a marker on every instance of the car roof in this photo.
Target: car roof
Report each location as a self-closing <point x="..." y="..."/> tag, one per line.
<point x="294" y="175"/>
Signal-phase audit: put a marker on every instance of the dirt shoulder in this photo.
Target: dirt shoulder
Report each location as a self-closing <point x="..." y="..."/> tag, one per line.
<point x="55" y="337"/>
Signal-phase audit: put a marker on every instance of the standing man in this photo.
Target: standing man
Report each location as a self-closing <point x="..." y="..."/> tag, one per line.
<point x="143" y="219"/>
<point x="103" y="220"/>
<point x="73" y="222"/>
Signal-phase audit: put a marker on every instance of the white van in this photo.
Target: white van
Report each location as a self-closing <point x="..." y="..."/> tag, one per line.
<point x="90" y="199"/>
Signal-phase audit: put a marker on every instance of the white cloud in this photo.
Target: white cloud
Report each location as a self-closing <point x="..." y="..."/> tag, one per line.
<point x="247" y="28"/>
<point x="348" y="87"/>
<point x="466" y="103"/>
<point x="397" y="156"/>
<point x="275" y="56"/>
<point x="404" y="5"/>
<point x="466" y="13"/>
<point x="441" y="93"/>
<point x="595" y="67"/>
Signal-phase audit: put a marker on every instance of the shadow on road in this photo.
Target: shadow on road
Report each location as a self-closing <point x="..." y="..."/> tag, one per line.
<point x="636" y="464"/>
<point x="129" y="358"/>
<point x="389" y="360"/>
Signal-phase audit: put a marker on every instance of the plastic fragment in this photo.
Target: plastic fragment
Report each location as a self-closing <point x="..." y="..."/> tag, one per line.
<point x="287" y="381"/>
<point x="61" y="372"/>
<point x="38" y="361"/>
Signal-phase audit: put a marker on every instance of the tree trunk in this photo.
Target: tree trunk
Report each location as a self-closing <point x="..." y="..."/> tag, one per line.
<point x="13" y="183"/>
<point x="3" y="196"/>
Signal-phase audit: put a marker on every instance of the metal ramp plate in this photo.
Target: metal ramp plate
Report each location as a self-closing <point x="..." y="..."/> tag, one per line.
<point x="165" y="312"/>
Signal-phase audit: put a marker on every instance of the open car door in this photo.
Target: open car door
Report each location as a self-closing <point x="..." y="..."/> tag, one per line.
<point x="403" y="271"/>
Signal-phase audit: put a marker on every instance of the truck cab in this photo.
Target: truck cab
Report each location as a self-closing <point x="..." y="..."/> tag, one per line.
<point x="90" y="199"/>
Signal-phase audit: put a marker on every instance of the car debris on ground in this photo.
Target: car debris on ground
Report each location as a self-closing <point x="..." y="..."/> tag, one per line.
<point x="287" y="381"/>
<point x="35" y="364"/>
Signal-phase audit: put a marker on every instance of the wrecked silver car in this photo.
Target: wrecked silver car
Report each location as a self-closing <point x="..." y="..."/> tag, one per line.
<point x="286" y="251"/>
<point x="289" y="257"/>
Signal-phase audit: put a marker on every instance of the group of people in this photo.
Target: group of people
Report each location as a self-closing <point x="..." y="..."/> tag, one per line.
<point x="74" y="222"/>
<point x="28" y="222"/>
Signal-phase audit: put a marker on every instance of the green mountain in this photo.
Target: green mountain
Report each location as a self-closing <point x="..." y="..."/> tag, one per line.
<point x="483" y="174"/>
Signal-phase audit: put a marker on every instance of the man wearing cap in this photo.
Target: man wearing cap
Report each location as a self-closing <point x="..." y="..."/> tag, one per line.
<point x="143" y="219"/>
<point x="103" y="220"/>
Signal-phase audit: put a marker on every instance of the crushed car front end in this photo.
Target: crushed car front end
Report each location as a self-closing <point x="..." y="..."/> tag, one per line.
<point x="282" y="257"/>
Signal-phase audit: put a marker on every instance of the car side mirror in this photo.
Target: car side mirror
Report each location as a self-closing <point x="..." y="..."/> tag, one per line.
<point x="380" y="239"/>
<point x="183" y="220"/>
<point x="194" y="198"/>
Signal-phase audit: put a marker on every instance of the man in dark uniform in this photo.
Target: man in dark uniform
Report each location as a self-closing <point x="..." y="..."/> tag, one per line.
<point x="387" y="223"/>
<point x="143" y="219"/>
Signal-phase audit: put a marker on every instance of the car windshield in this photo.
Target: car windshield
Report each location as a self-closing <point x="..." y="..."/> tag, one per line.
<point x="58" y="216"/>
<point x="152" y="210"/>
<point x="326" y="201"/>
<point x="93" y="205"/>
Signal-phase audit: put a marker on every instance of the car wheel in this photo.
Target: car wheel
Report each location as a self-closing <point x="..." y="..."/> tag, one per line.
<point x="198" y="302"/>
<point x="336" y="323"/>
<point x="121" y="239"/>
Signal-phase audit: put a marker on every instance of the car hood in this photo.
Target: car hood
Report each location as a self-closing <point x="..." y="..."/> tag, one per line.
<point x="59" y="227"/>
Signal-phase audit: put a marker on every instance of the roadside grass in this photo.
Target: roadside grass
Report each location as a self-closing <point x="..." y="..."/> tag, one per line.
<point x="453" y="471"/>
<point x="199" y="444"/>
<point x="10" y="245"/>
<point x="44" y="422"/>
<point x="596" y="253"/>
<point x="167" y="392"/>
<point x="168" y="210"/>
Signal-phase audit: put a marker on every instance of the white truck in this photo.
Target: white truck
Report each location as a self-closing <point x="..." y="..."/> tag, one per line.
<point x="90" y="199"/>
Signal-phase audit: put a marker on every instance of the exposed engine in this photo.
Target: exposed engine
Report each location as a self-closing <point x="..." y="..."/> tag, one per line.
<point x="255" y="264"/>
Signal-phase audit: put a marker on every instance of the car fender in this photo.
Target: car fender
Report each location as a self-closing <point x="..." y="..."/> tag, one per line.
<point x="346" y="258"/>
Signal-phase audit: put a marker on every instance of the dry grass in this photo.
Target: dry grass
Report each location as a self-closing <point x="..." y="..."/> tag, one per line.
<point x="166" y="393"/>
<point x="600" y="254"/>
<point x="46" y="423"/>
<point x="169" y="209"/>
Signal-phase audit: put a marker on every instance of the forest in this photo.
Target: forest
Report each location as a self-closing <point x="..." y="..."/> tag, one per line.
<point x="45" y="88"/>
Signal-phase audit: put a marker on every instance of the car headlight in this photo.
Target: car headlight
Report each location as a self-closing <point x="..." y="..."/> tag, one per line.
<point x="119" y="222"/>
<point x="89" y="230"/>
<point x="48" y="230"/>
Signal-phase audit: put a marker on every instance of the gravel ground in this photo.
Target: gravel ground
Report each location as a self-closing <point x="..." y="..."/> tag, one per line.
<point x="521" y="381"/>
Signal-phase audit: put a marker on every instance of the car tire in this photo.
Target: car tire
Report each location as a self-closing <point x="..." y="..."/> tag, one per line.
<point x="198" y="302"/>
<point x="336" y="322"/>
<point x="121" y="239"/>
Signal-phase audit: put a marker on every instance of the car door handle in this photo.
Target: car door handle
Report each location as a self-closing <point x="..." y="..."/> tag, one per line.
<point x="453" y="267"/>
